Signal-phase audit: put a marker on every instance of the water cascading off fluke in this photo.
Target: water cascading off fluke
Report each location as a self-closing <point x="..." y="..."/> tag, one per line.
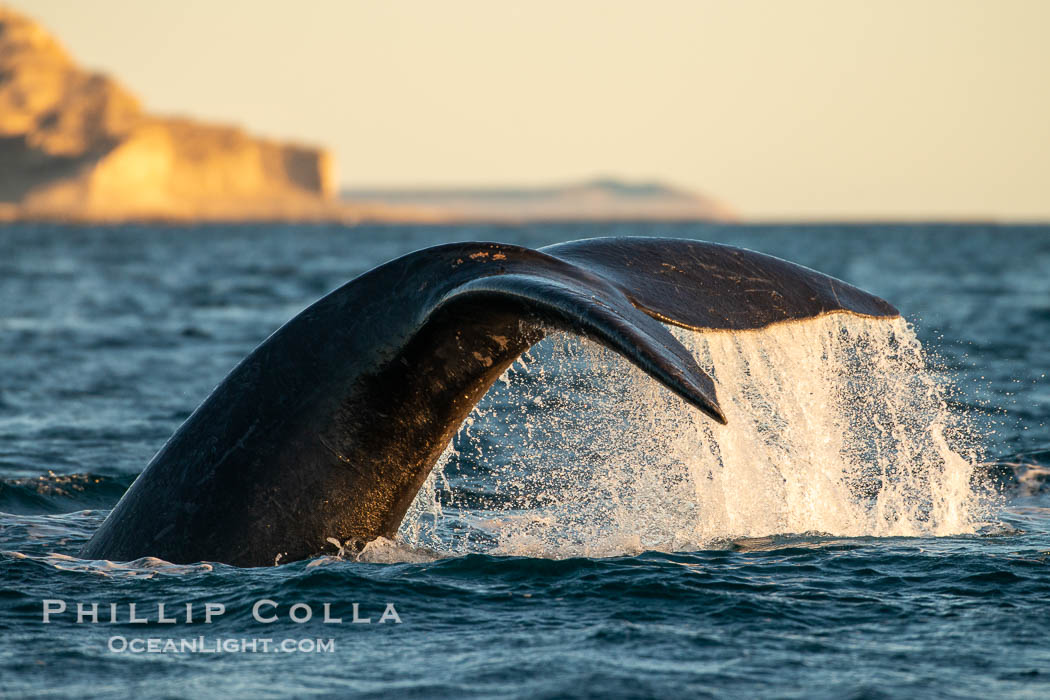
<point x="836" y="425"/>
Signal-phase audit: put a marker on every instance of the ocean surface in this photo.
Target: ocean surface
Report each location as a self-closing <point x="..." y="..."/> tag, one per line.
<point x="874" y="522"/>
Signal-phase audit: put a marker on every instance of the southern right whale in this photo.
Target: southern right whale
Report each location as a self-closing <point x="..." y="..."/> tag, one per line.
<point x="329" y="428"/>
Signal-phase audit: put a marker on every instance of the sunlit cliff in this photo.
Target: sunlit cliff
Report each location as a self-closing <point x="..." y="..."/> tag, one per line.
<point x="78" y="145"/>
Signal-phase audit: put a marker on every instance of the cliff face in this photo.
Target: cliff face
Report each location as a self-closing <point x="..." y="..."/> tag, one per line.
<point x="77" y="145"/>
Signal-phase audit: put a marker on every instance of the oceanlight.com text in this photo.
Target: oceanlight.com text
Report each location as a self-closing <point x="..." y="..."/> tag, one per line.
<point x="119" y="644"/>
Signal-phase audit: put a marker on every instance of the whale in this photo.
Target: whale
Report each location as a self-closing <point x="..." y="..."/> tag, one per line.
<point x="319" y="440"/>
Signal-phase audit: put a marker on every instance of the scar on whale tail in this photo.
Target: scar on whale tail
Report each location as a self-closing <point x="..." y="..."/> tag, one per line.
<point x="329" y="428"/>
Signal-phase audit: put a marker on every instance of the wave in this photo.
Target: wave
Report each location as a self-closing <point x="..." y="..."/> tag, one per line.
<point x="1025" y="473"/>
<point x="61" y="493"/>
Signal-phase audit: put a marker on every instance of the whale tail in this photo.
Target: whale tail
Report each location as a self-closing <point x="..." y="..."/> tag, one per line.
<point x="329" y="428"/>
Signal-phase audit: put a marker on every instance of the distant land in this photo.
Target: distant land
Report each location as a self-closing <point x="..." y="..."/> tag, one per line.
<point x="603" y="199"/>
<point x="76" y="145"/>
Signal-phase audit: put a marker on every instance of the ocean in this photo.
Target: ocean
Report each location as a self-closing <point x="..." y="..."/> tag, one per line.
<point x="874" y="522"/>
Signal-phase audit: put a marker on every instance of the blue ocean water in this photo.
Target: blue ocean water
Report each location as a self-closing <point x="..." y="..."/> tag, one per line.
<point x="110" y="337"/>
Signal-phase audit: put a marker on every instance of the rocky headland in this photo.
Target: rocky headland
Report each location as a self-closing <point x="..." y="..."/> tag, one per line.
<point x="77" y="145"/>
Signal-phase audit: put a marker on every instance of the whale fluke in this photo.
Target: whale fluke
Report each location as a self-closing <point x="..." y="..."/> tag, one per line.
<point x="707" y="286"/>
<point x="329" y="428"/>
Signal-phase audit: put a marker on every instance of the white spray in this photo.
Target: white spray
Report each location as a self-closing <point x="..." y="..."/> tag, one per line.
<point x="835" y="426"/>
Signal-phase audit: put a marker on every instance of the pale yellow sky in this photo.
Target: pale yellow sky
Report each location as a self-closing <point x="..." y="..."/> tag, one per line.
<point x="796" y="109"/>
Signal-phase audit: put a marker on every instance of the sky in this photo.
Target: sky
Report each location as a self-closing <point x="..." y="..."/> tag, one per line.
<point x="809" y="109"/>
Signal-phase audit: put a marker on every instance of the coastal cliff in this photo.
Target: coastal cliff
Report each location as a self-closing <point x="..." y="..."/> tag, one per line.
<point x="76" y="145"/>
